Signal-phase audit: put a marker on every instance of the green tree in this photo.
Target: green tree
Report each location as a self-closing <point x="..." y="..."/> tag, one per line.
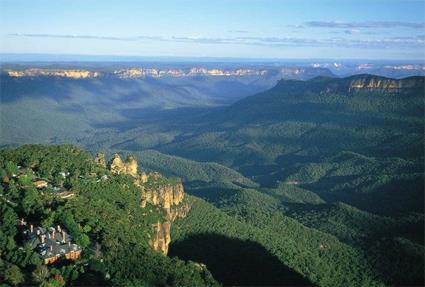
<point x="11" y="168"/>
<point x="40" y="274"/>
<point x="25" y="180"/>
<point x="13" y="275"/>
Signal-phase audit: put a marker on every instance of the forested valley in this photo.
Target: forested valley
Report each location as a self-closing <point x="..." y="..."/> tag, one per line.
<point x="316" y="182"/>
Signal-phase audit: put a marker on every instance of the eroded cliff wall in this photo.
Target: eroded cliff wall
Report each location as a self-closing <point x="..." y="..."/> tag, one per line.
<point x="157" y="190"/>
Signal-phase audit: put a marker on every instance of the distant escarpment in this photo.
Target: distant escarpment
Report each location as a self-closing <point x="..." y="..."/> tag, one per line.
<point x="165" y="193"/>
<point x="353" y="84"/>
<point x="64" y="73"/>
<point x="293" y="72"/>
<point x="375" y="83"/>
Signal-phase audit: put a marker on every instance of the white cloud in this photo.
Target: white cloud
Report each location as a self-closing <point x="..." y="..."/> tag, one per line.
<point x="392" y="42"/>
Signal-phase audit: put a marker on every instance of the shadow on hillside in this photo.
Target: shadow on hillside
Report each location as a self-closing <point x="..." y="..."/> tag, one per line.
<point x="386" y="198"/>
<point x="208" y="193"/>
<point x="236" y="262"/>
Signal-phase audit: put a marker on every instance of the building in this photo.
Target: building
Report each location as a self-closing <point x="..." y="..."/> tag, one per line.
<point x="66" y="194"/>
<point x="62" y="192"/>
<point x="40" y="183"/>
<point x="51" y="243"/>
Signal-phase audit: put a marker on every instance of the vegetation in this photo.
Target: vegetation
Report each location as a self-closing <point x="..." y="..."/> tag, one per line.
<point x="297" y="247"/>
<point x="312" y="245"/>
<point x="322" y="182"/>
<point x="104" y="218"/>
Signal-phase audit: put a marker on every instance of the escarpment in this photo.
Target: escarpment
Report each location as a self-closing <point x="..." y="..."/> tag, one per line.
<point x="64" y="73"/>
<point x="352" y="85"/>
<point x="157" y="190"/>
<point x="128" y="167"/>
<point x="168" y="194"/>
<point x="372" y="83"/>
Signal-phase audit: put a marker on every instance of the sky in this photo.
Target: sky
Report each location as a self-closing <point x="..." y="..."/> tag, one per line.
<point x="285" y="29"/>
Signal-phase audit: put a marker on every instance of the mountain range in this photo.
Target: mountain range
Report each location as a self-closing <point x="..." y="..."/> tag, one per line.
<point x="325" y="174"/>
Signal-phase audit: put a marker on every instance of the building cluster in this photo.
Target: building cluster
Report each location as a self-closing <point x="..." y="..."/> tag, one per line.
<point x="51" y="243"/>
<point x="59" y="191"/>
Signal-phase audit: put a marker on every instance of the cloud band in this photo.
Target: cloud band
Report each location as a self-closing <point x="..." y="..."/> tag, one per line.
<point x="393" y="42"/>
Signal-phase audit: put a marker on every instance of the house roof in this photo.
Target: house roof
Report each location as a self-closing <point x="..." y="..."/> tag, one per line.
<point x="55" y="244"/>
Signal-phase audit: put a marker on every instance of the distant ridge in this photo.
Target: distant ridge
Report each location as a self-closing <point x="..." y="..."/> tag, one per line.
<point x="356" y="83"/>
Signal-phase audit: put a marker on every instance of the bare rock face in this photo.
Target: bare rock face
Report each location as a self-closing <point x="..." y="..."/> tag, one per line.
<point x="157" y="190"/>
<point x="161" y="238"/>
<point x="373" y="84"/>
<point x="167" y="194"/>
<point x="128" y="167"/>
<point x="131" y="166"/>
<point x="161" y="230"/>
<point x="382" y="84"/>
<point x="143" y="177"/>
<point x="35" y="72"/>
<point x="100" y="159"/>
<point x="117" y="165"/>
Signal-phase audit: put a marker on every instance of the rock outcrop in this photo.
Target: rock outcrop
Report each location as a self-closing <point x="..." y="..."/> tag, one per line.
<point x="157" y="190"/>
<point x="168" y="194"/>
<point x="100" y="159"/>
<point x="35" y="72"/>
<point x="194" y="71"/>
<point x="161" y="237"/>
<point x="129" y="73"/>
<point x="128" y="167"/>
<point x="374" y="83"/>
<point x="131" y="166"/>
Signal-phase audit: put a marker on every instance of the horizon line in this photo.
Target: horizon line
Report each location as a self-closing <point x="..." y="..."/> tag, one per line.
<point x="49" y="57"/>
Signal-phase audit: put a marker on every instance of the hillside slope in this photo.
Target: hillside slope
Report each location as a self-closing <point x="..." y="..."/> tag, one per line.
<point x="325" y="176"/>
<point x="115" y="222"/>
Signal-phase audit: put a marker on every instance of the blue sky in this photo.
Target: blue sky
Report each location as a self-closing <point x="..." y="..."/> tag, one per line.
<point x="332" y="29"/>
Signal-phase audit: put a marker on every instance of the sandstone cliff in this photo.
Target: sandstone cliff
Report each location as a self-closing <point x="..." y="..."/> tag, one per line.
<point x="167" y="194"/>
<point x="128" y="167"/>
<point x="375" y="83"/>
<point x="129" y="73"/>
<point x="195" y="71"/>
<point x="35" y="72"/>
<point x="160" y="191"/>
<point x="161" y="236"/>
<point x="157" y="190"/>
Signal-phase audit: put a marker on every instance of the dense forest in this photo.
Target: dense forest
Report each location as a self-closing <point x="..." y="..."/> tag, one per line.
<point x="104" y="218"/>
<point x="315" y="182"/>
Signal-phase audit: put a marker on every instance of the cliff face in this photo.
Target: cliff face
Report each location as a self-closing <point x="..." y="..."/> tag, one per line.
<point x="194" y="71"/>
<point x="129" y="73"/>
<point x="34" y="72"/>
<point x="128" y="167"/>
<point x="383" y="84"/>
<point x="157" y="190"/>
<point x="100" y="159"/>
<point x="161" y="238"/>
<point x="167" y="194"/>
